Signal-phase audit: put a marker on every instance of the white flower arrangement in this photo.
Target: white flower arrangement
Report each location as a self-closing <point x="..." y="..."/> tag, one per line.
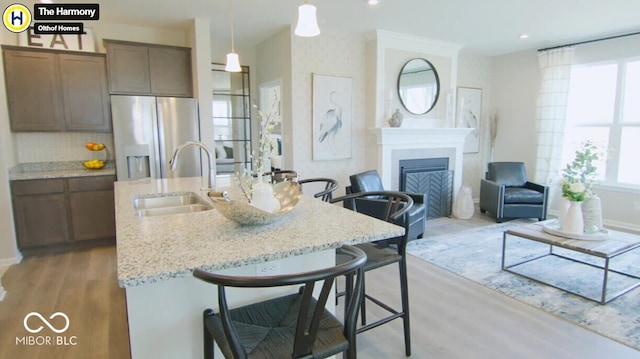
<point x="578" y="177"/>
<point x="268" y="121"/>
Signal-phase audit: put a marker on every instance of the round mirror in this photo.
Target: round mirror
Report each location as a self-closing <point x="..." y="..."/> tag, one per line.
<point x="418" y="86"/>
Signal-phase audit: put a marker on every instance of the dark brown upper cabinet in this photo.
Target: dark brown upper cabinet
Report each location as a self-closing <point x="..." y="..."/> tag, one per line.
<point x="148" y="69"/>
<point x="85" y="92"/>
<point x="50" y="90"/>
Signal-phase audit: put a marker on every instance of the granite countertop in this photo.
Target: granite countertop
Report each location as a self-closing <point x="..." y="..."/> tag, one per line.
<point x="154" y="249"/>
<point x="45" y="170"/>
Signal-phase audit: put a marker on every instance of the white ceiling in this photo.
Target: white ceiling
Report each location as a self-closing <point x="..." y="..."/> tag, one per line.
<point x="489" y="27"/>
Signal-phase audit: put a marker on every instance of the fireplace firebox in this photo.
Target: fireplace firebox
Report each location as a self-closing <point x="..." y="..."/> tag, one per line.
<point x="431" y="176"/>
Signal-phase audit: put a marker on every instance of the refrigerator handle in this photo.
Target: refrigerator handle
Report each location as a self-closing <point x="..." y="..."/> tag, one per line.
<point x="158" y="139"/>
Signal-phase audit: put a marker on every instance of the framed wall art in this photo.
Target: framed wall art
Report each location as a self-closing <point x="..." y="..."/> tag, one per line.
<point x="468" y="110"/>
<point x="332" y="117"/>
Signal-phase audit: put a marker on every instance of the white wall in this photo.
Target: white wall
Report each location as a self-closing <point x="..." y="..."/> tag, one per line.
<point x="475" y="71"/>
<point x="328" y="54"/>
<point x="515" y="82"/>
<point x="8" y="251"/>
<point x="392" y="51"/>
<point x="395" y="59"/>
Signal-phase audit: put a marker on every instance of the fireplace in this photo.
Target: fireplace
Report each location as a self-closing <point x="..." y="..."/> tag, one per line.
<point x="431" y="176"/>
<point x="433" y="144"/>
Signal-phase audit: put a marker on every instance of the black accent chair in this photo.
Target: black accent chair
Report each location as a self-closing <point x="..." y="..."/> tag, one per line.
<point x="370" y="181"/>
<point x="291" y="326"/>
<point x="397" y="206"/>
<point x="506" y="194"/>
<point x="330" y="186"/>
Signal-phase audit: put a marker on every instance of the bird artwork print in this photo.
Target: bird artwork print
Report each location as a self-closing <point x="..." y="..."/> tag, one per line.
<point x="332" y="117"/>
<point x="331" y="122"/>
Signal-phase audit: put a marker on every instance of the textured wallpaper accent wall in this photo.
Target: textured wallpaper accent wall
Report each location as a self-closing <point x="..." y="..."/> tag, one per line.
<point x="59" y="146"/>
<point x="328" y="54"/>
<point x="475" y="71"/>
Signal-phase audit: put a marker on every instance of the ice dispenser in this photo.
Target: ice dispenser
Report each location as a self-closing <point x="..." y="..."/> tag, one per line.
<point x="138" y="167"/>
<point x="138" y="162"/>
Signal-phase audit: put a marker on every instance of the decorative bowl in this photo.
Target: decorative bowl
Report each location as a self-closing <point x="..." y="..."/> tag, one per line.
<point x="94" y="164"/>
<point x="288" y="193"/>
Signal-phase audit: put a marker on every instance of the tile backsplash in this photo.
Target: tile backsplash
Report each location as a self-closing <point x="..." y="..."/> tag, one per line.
<point x="60" y="146"/>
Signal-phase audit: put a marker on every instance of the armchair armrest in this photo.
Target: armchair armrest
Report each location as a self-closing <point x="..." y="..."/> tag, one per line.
<point x="542" y="189"/>
<point x="491" y="196"/>
<point x="418" y="197"/>
<point x="536" y="187"/>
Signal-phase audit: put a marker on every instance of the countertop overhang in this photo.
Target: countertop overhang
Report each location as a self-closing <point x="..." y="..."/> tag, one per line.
<point x="154" y="249"/>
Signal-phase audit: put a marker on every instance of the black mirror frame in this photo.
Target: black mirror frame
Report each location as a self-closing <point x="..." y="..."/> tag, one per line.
<point x="435" y="100"/>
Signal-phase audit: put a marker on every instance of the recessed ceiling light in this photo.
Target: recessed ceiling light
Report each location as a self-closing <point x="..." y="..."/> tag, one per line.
<point x="524" y="36"/>
<point x="372" y="2"/>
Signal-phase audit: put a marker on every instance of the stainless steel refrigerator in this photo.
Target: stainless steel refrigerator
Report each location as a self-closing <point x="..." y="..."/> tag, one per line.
<point x="146" y="132"/>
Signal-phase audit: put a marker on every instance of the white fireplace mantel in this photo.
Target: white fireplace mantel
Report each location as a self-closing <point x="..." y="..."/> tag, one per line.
<point x="394" y="143"/>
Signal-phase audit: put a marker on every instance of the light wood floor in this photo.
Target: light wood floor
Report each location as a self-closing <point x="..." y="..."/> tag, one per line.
<point x="451" y="317"/>
<point x="82" y="285"/>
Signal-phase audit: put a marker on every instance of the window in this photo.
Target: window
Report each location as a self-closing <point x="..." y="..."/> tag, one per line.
<point x="603" y="107"/>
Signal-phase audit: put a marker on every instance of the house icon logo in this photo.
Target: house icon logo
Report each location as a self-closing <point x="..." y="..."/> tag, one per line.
<point x="16" y="18"/>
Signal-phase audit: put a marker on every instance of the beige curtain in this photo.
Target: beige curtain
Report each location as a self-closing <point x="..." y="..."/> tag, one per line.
<point x="555" y="66"/>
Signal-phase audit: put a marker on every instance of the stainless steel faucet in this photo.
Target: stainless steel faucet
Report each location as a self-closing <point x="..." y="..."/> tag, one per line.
<point x="173" y="162"/>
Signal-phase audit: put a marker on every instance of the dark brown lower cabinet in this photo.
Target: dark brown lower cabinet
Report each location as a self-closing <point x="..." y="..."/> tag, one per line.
<point x="40" y="212"/>
<point x="91" y="208"/>
<point x="61" y="214"/>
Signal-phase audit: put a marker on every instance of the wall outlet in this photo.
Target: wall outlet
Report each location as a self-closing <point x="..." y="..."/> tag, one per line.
<point x="268" y="268"/>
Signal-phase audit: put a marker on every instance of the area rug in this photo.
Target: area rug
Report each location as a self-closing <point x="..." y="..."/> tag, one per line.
<point x="476" y="254"/>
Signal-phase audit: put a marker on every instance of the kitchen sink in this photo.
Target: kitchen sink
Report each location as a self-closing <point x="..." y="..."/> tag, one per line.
<point x="169" y="203"/>
<point x="161" y="211"/>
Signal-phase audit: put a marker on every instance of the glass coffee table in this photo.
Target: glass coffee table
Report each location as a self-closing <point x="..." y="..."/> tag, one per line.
<point x="585" y="257"/>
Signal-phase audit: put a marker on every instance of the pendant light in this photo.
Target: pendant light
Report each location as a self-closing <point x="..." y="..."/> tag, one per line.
<point x="233" y="63"/>
<point x="307" y="22"/>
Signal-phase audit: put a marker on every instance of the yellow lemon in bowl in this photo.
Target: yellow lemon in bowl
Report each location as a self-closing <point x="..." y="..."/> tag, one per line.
<point x="93" y="164"/>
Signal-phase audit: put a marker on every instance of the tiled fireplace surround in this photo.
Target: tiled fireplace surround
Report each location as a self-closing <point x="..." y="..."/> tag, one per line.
<point x="394" y="144"/>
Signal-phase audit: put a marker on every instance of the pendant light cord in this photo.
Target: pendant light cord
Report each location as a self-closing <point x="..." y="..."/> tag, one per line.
<point x="232" y="49"/>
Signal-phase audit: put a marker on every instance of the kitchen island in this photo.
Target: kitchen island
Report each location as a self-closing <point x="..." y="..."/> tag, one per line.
<point x="156" y="256"/>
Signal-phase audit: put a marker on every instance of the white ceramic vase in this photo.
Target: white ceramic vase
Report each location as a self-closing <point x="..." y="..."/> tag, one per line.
<point x="592" y="214"/>
<point x="563" y="207"/>
<point x="573" y="221"/>
<point x="463" y="206"/>
<point x="396" y="119"/>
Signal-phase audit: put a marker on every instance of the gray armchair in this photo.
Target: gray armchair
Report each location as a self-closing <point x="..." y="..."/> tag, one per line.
<point x="369" y="181"/>
<point x="506" y="194"/>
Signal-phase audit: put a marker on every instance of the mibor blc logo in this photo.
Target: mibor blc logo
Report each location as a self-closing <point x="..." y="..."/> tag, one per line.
<point x="35" y="327"/>
<point x="16" y="18"/>
<point x="46" y="322"/>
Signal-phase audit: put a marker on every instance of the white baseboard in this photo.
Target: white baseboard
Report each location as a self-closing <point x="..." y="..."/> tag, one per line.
<point x="622" y="226"/>
<point x="5" y="262"/>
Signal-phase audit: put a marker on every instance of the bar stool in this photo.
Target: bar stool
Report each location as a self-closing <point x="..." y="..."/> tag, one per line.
<point x="330" y="185"/>
<point x="394" y="207"/>
<point x="291" y="326"/>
